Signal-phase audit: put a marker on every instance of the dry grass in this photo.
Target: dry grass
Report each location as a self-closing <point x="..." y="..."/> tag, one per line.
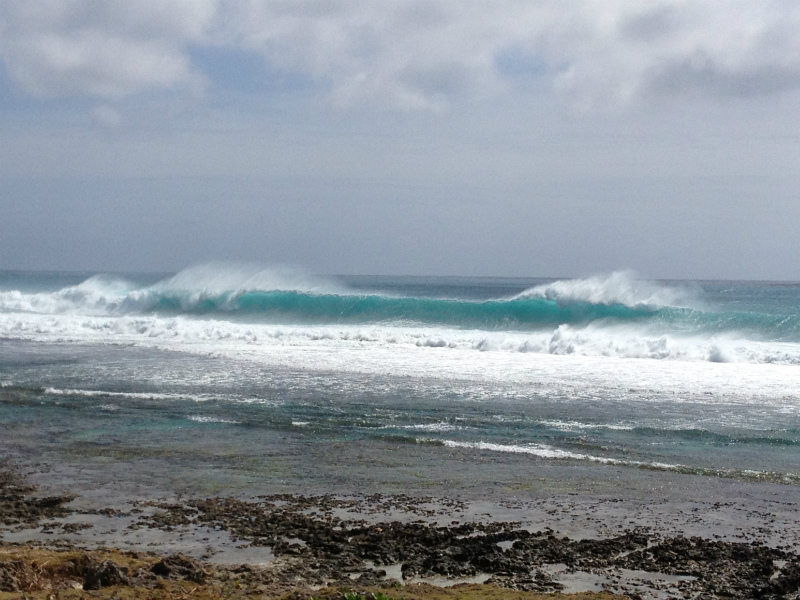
<point x="46" y="574"/>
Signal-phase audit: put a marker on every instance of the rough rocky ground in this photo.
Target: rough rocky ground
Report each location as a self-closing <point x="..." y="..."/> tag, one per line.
<point x="313" y="545"/>
<point x="19" y="508"/>
<point x="323" y="548"/>
<point x="27" y="572"/>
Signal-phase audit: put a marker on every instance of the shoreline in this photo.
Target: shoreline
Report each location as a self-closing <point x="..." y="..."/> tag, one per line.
<point x="303" y="543"/>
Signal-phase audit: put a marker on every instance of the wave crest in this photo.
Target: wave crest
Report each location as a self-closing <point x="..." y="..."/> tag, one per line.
<point x="216" y="286"/>
<point x="617" y="288"/>
<point x="288" y="295"/>
<point x="612" y="315"/>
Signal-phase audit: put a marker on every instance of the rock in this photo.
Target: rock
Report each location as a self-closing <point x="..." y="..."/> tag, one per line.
<point x="332" y="549"/>
<point x="179" y="566"/>
<point x="18" y="507"/>
<point x="97" y="575"/>
<point x="787" y="581"/>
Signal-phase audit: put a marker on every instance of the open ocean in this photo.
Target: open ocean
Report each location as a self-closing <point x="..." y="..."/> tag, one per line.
<point x="239" y="378"/>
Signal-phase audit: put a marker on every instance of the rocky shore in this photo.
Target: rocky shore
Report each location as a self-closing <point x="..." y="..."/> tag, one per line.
<point x="373" y="547"/>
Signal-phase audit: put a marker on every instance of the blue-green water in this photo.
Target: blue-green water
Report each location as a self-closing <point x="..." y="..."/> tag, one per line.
<point x="282" y="380"/>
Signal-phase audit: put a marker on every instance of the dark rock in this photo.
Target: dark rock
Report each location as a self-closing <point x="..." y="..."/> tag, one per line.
<point x="787" y="581"/>
<point x="331" y="549"/>
<point x="179" y="566"/>
<point x="97" y="575"/>
<point x="17" y="507"/>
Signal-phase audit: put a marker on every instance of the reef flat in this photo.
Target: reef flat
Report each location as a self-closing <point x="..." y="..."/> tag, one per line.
<point x="378" y="546"/>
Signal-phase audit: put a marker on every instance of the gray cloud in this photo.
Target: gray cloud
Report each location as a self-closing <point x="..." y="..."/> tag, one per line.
<point x="409" y="53"/>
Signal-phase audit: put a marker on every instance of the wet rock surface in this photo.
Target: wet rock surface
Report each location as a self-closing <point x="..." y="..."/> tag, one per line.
<point x="315" y="547"/>
<point x="19" y="507"/>
<point x="362" y="544"/>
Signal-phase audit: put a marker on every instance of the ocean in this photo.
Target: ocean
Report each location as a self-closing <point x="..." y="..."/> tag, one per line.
<point x="228" y="378"/>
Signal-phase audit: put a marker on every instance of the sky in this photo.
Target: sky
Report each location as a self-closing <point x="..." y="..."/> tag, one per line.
<point x="418" y="137"/>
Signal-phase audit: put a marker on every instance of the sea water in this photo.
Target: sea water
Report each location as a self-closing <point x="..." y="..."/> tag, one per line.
<point x="242" y="379"/>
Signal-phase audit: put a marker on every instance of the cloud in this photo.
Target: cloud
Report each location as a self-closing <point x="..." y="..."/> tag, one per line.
<point x="107" y="49"/>
<point x="640" y="51"/>
<point x="413" y="54"/>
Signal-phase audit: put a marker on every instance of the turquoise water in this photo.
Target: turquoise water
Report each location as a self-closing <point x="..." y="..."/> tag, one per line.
<point x="237" y="376"/>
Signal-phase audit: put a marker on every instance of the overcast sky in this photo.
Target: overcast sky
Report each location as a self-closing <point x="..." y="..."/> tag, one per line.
<point x="494" y="137"/>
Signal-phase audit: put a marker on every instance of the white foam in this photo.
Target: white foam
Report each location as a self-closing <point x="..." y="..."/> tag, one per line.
<point x="260" y="402"/>
<point x="545" y="451"/>
<point x="641" y="341"/>
<point x="435" y="427"/>
<point x="541" y="450"/>
<point x="576" y="425"/>
<point x="97" y="295"/>
<point x="568" y="361"/>
<point x="207" y="419"/>
<point x="136" y="395"/>
<point x="549" y="452"/>
<point x="182" y="332"/>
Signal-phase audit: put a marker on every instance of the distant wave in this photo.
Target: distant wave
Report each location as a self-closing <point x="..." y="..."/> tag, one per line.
<point x="203" y="288"/>
<point x="614" y="315"/>
<point x="351" y="308"/>
<point x="284" y="296"/>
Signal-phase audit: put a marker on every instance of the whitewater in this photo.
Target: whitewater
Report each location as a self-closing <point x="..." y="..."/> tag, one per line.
<point x="613" y="315"/>
<point x="261" y="369"/>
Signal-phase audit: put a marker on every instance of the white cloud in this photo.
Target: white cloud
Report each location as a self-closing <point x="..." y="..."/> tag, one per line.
<point x="108" y="49"/>
<point x="409" y="53"/>
<point x="413" y="53"/>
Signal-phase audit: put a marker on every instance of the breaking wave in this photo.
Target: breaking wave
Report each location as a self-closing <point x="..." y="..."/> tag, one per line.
<point x="613" y="315"/>
<point x="295" y="297"/>
<point x="618" y="288"/>
<point x="271" y="295"/>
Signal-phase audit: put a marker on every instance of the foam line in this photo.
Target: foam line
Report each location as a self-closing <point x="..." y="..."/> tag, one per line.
<point x="544" y="451"/>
